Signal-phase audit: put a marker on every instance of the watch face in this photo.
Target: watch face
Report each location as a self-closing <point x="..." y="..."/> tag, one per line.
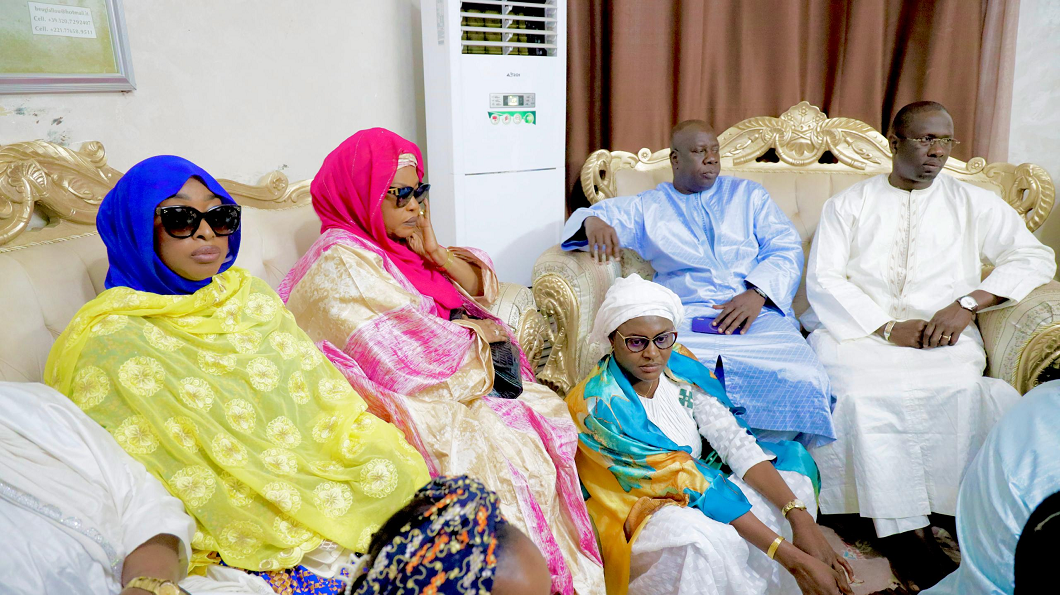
<point x="968" y="303"/>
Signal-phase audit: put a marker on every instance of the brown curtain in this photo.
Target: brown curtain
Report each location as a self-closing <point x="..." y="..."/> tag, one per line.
<point x="636" y="67"/>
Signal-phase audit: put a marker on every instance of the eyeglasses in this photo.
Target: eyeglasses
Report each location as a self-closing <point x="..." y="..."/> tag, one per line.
<point x="182" y="222"/>
<point x="404" y="193"/>
<point x="662" y="341"/>
<point x="926" y="142"/>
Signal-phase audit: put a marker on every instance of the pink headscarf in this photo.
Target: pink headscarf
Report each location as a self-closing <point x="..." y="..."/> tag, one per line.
<point x="348" y="192"/>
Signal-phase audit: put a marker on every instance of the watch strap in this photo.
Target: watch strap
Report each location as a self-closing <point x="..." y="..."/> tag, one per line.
<point x="760" y="292"/>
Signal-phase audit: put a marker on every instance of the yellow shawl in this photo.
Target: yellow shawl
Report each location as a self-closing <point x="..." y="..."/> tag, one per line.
<point x="232" y="407"/>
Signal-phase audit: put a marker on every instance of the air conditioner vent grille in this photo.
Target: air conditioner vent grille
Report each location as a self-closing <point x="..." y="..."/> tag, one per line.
<point x="502" y="28"/>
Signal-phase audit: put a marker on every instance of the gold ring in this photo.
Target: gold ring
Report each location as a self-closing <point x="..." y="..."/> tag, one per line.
<point x="947" y="337"/>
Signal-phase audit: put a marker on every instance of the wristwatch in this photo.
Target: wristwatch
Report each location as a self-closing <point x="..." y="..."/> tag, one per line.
<point x="968" y="303"/>
<point x="760" y="292"/>
<point x="795" y="504"/>
<point x="154" y="585"/>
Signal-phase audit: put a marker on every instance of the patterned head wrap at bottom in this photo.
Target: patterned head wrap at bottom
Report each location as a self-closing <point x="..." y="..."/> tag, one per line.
<point x="448" y="549"/>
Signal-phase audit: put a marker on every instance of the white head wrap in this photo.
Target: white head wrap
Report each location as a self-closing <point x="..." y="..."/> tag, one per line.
<point x="406" y="160"/>
<point x="632" y="297"/>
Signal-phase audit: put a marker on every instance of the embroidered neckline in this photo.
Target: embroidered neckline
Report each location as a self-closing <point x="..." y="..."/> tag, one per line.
<point x="33" y="504"/>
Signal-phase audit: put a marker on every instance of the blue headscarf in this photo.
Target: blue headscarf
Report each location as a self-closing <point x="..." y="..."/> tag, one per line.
<point x="126" y="224"/>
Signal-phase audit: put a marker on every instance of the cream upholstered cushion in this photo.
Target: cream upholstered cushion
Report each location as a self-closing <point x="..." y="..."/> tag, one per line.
<point x="1023" y="340"/>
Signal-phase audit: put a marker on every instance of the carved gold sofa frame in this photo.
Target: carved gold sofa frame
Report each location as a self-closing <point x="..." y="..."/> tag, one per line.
<point x="802" y="158"/>
<point x="52" y="260"/>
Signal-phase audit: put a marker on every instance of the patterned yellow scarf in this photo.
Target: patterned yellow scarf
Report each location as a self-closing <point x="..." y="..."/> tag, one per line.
<point x="228" y="403"/>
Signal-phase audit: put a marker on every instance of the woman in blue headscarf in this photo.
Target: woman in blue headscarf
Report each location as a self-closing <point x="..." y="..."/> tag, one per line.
<point x="200" y="373"/>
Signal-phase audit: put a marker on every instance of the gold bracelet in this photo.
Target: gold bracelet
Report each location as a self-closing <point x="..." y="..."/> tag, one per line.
<point x="773" y="547"/>
<point x="448" y="258"/>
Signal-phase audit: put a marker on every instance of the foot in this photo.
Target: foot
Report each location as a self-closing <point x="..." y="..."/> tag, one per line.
<point x="916" y="559"/>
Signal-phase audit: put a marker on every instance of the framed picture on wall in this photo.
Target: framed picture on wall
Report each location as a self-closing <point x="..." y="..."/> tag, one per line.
<point x="63" y="46"/>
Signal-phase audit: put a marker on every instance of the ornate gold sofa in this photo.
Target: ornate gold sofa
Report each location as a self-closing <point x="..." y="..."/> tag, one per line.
<point x="52" y="260"/>
<point x="802" y="158"/>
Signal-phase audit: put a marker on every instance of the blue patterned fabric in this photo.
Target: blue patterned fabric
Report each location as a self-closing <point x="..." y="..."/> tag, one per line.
<point x="447" y="550"/>
<point x="707" y="248"/>
<point x="301" y="581"/>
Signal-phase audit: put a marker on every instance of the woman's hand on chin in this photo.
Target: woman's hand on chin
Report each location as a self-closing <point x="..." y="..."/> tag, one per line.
<point x="423" y="241"/>
<point x="418" y="244"/>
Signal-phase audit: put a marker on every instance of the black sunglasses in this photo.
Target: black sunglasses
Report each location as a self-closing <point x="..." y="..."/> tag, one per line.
<point x="182" y="222"/>
<point x="636" y="344"/>
<point x="404" y="193"/>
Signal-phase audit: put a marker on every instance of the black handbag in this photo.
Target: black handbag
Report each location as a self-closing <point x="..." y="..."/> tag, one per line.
<point x="507" y="375"/>
<point x="507" y="372"/>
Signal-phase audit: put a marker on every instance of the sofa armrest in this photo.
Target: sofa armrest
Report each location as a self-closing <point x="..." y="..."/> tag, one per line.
<point x="568" y="288"/>
<point x="1023" y="340"/>
<point x="515" y="305"/>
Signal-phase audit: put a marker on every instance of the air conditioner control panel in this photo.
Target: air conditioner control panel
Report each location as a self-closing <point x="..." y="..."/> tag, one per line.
<point x="513" y="100"/>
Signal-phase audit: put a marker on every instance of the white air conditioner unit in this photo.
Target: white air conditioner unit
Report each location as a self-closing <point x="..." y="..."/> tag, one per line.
<point x="496" y="90"/>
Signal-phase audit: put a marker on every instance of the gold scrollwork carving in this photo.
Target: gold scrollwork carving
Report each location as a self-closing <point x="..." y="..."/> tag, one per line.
<point x="597" y="181"/>
<point x="1041" y="352"/>
<point x="68" y="185"/>
<point x="274" y="191"/>
<point x="1026" y="187"/>
<point x="65" y="183"/>
<point x="801" y="135"/>
<point x="556" y="300"/>
<point x="532" y="333"/>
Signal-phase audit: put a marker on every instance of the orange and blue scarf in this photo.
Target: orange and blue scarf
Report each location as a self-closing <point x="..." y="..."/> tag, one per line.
<point x="629" y="468"/>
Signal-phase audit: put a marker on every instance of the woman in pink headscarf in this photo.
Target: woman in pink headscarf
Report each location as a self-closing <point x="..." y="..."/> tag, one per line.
<point x="404" y="319"/>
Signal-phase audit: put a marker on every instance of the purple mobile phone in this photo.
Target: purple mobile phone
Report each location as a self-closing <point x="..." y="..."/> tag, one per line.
<point x="704" y="324"/>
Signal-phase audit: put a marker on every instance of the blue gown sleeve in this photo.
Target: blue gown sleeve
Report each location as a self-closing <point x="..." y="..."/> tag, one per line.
<point x="780" y="256"/>
<point x="624" y="213"/>
<point x="722" y="502"/>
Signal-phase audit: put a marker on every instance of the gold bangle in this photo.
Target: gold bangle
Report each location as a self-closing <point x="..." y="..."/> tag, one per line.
<point x="448" y="258"/>
<point x="773" y="547"/>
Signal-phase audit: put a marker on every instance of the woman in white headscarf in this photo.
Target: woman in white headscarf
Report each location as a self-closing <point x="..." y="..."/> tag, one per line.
<point x="676" y="483"/>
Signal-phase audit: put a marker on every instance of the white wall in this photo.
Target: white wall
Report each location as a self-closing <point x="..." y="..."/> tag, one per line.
<point x="1035" y="132"/>
<point x="244" y="87"/>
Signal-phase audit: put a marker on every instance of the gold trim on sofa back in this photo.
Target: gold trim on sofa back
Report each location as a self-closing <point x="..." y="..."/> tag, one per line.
<point x="801" y="136"/>
<point x="66" y="187"/>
